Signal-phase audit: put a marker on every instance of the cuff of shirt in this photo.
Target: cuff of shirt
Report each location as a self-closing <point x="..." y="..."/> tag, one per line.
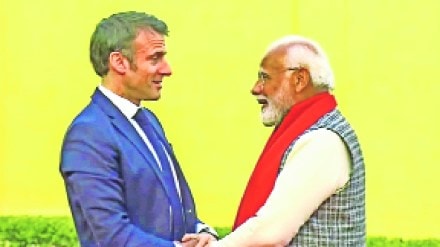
<point x="201" y="227"/>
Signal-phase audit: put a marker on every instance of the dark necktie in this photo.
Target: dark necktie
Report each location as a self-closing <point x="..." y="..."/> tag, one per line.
<point x="159" y="147"/>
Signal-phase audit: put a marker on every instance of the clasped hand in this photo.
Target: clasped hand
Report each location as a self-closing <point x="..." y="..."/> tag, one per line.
<point x="197" y="239"/>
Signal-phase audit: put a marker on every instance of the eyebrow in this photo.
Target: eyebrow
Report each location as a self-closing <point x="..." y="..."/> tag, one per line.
<point x="262" y="74"/>
<point x="157" y="53"/>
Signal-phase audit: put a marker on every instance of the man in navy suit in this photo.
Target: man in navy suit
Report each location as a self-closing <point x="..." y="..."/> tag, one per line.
<point x="123" y="182"/>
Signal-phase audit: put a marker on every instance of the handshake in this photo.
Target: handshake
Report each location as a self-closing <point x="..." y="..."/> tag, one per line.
<point x="201" y="239"/>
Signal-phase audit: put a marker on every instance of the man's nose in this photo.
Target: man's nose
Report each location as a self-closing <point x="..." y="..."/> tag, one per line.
<point x="165" y="68"/>
<point x="257" y="88"/>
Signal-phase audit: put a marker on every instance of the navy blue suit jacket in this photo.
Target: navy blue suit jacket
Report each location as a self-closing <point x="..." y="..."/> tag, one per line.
<point x="114" y="186"/>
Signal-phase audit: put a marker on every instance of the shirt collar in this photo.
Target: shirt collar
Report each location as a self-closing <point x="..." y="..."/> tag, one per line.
<point x="124" y="105"/>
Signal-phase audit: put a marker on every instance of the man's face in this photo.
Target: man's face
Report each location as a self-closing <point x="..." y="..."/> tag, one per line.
<point x="143" y="80"/>
<point x="272" y="89"/>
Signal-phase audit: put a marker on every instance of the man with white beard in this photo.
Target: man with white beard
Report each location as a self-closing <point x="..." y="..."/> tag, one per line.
<point x="308" y="186"/>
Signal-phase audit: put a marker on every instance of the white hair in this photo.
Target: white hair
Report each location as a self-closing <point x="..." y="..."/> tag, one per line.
<point x="305" y="53"/>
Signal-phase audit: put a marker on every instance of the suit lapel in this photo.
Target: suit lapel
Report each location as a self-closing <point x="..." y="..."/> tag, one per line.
<point x="124" y="126"/>
<point x="183" y="186"/>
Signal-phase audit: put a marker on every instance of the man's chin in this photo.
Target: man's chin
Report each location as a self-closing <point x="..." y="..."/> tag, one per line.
<point x="271" y="120"/>
<point x="152" y="98"/>
<point x="268" y="122"/>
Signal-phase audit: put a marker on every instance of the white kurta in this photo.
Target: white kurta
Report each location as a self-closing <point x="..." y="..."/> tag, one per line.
<point x="317" y="167"/>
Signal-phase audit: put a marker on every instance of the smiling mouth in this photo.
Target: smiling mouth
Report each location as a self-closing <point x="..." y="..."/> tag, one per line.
<point x="262" y="102"/>
<point x="158" y="84"/>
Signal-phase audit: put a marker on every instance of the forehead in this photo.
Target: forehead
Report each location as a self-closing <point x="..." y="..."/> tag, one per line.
<point x="274" y="59"/>
<point x="148" y="39"/>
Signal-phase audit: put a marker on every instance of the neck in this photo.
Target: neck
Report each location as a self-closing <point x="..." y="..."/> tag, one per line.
<point x="113" y="84"/>
<point x="308" y="93"/>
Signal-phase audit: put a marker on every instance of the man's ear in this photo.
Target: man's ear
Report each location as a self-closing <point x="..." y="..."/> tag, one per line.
<point x="301" y="79"/>
<point x="118" y="63"/>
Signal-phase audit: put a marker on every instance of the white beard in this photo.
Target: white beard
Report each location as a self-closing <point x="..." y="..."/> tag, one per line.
<point x="271" y="115"/>
<point x="277" y="107"/>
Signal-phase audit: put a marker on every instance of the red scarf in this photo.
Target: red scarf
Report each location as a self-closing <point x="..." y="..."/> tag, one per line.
<point x="300" y="117"/>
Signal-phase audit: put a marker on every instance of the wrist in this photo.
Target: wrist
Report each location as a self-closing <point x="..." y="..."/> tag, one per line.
<point x="210" y="231"/>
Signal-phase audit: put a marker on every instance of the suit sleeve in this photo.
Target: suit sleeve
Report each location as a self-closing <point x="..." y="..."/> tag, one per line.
<point x="90" y="168"/>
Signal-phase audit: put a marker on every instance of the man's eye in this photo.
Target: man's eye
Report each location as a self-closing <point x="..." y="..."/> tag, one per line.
<point x="263" y="76"/>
